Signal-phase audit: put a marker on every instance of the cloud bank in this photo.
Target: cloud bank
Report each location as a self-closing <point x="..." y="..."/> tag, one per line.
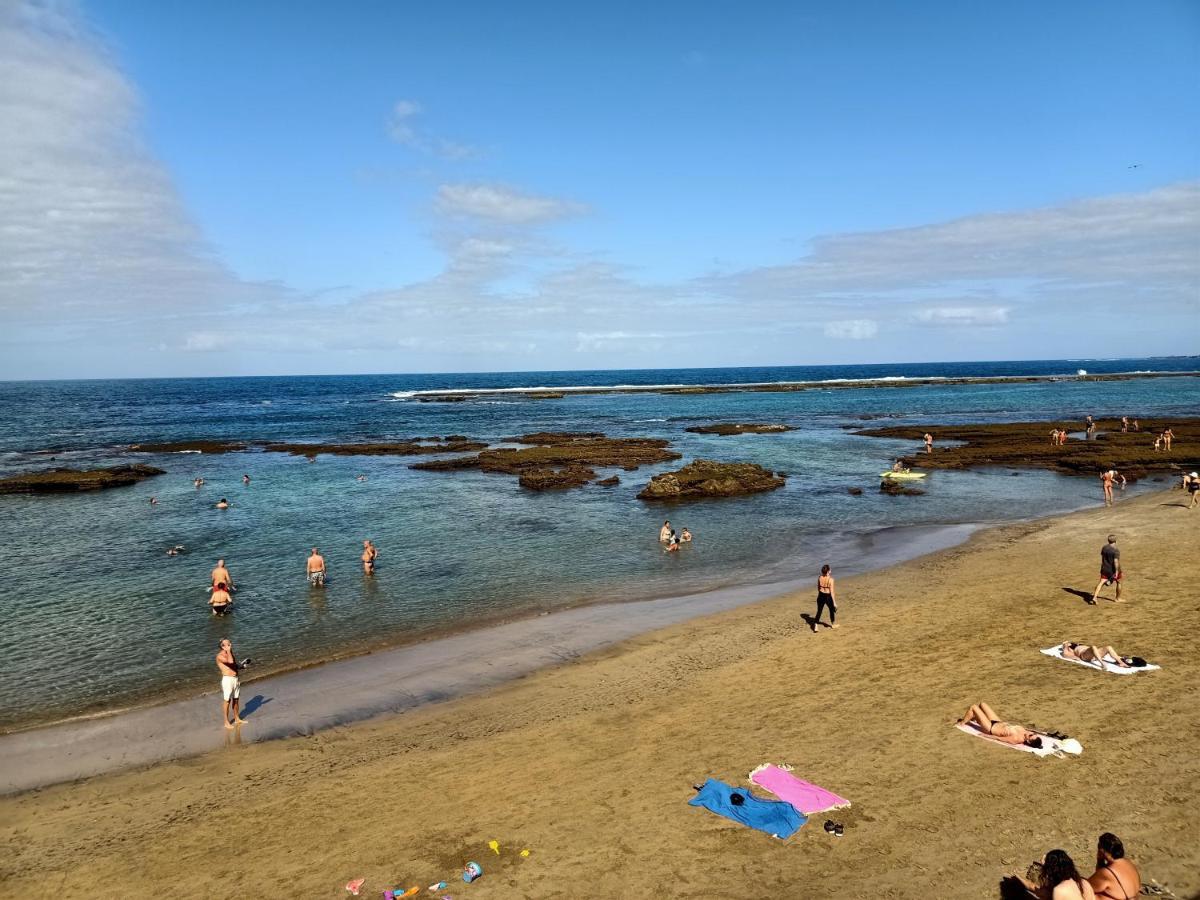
<point x="103" y="272"/>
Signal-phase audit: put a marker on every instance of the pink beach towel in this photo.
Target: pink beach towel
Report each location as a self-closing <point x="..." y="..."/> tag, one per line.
<point x="808" y="798"/>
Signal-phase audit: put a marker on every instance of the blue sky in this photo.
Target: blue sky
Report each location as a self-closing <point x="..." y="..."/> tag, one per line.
<point x="287" y="188"/>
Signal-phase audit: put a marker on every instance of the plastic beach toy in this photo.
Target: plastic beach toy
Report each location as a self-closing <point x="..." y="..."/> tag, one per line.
<point x="355" y="884"/>
<point x="440" y="886"/>
<point x="472" y="871"/>
<point x="494" y="846"/>
<point x="411" y="892"/>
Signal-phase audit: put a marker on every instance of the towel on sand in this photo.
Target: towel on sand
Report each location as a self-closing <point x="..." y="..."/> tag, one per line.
<point x="1056" y="652"/>
<point x="807" y="797"/>
<point x="1050" y="746"/>
<point x="772" y="816"/>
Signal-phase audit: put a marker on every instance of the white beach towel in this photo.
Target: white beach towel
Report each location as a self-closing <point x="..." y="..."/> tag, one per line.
<point x="1050" y="746"/>
<point x="1056" y="652"/>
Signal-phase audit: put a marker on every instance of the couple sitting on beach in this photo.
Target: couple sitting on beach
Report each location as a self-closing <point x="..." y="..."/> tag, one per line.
<point x="1056" y="878"/>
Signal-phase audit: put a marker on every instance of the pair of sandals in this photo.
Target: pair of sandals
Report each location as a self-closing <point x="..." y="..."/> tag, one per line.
<point x="837" y="829"/>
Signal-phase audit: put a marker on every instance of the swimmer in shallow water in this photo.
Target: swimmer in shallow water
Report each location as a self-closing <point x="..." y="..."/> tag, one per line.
<point x="245" y="479"/>
<point x="368" y="557"/>
<point x="222" y="503"/>
<point x="664" y="533"/>
<point x="220" y="601"/>
<point x="686" y="537"/>
<point x="315" y="569"/>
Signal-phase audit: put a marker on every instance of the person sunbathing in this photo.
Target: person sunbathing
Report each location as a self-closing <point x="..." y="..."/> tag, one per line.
<point x="985" y="719"/>
<point x="1088" y="653"/>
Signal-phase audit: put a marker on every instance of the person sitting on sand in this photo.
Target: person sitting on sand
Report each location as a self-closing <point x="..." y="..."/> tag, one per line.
<point x="664" y="533"/>
<point x="1115" y="878"/>
<point x="222" y="503"/>
<point x="982" y="716"/>
<point x="685" y="537"/>
<point x="315" y="568"/>
<point x="220" y="601"/>
<point x="368" y="557"/>
<point x="1092" y="653"/>
<point x="1058" y="879"/>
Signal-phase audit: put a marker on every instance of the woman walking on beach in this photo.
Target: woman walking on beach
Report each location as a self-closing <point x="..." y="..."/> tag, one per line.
<point x="825" y="597"/>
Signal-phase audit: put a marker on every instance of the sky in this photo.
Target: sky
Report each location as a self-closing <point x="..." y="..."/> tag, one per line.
<point x="280" y="188"/>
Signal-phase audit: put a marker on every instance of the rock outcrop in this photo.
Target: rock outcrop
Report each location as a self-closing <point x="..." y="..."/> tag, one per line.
<point x="729" y="428"/>
<point x="63" y="481"/>
<point x="705" y="478"/>
<point x="1027" y="445"/>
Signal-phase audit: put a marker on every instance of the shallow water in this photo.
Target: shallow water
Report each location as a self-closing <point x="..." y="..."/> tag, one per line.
<point x="97" y="616"/>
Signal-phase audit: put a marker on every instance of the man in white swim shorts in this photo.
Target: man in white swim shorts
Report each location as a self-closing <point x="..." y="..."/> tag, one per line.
<point x="230" y="685"/>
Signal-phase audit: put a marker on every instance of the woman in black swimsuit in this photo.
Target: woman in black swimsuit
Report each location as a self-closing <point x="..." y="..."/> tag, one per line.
<point x="1115" y="878"/>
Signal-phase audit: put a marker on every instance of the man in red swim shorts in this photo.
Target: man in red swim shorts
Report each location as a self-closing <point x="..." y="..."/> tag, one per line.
<point x="1110" y="568"/>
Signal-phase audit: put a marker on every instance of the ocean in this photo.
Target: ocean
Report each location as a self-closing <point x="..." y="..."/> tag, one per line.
<point x="98" y="617"/>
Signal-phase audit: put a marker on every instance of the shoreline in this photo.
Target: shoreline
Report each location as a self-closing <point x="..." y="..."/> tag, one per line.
<point x="588" y="763"/>
<point x="452" y="663"/>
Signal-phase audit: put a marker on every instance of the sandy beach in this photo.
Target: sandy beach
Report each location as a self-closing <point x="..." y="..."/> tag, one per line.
<point x="589" y="763"/>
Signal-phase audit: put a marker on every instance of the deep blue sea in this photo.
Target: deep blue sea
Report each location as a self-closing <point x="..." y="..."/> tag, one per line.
<point x="98" y="617"/>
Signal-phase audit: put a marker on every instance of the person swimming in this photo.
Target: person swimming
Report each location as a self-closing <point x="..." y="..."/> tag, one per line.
<point x="222" y="503"/>
<point x="984" y="718"/>
<point x="220" y="601"/>
<point x="685" y="537"/>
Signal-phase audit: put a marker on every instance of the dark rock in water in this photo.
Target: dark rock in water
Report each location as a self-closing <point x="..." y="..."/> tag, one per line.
<point x="898" y="489"/>
<point x="1027" y="445"/>
<point x="190" y="447"/>
<point x="854" y="491"/>
<point x="705" y="478"/>
<point x="544" y="395"/>
<point x="547" y="479"/>
<point x="728" y="428"/>
<point x="416" y="447"/>
<point x="559" y="459"/>
<point x="555" y="437"/>
<point x="611" y="481"/>
<point x="60" y="481"/>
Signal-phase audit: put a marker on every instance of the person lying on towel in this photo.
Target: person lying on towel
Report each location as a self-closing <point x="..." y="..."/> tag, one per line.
<point x="1101" y="655"/>
<point x="985" y="719"/>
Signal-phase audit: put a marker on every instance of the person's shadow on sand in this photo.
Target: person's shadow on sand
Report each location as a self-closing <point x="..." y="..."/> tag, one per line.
<point x="811" y="621"/>
<point x="254" y="704"/>
<point x="1085" y="596"/>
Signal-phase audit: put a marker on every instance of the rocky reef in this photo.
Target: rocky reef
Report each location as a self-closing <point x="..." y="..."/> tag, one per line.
<point x="63" y="481"/>
<point x="706" y="478"/>
<point x="898" y="489"/>
<point x="725" y="429"/>
<point x="554" y="460"/>
<point x="1027" y="445"/>
<point x="417" y="446"/>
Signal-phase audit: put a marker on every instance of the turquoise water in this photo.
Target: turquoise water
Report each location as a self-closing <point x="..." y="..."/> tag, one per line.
<point x="98" y="616"/>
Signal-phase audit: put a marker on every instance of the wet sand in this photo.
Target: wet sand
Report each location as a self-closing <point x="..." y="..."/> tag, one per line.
<point x="589" y="763"/>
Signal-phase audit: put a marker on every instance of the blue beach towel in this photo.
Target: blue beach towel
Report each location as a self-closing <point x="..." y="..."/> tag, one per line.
<point x="772" y="816"/>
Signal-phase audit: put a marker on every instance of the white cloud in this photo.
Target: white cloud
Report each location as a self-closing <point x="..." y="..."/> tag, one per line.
<point x="500" y="204"/>
<point x="852" y="329"/>
<point x="403" y="128"/>
<point x="963" y="316"/>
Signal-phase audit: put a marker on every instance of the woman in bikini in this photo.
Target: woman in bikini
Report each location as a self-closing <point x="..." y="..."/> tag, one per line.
<point x="825" y="598"/>
<point x="985" y="719"/>
<point x="1115" y="878"/>
<point x="1089" y="654"/>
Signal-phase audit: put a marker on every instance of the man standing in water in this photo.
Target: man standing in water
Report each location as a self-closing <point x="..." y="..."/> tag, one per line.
<point x="316" y="569"/>
<point x="1110" y="568"/>
<point x="928" y="442"/>
<point x="368" y="557"/>
<point x="220" y="575"/>
<point x="664" y="533"/>
<point x="231" y="686"/>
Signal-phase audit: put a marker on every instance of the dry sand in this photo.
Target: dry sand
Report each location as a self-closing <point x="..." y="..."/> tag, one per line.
<point x="589" y="764"/>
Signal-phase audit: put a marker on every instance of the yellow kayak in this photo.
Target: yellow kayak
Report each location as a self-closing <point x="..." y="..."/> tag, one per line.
<point x="903" y="476"/>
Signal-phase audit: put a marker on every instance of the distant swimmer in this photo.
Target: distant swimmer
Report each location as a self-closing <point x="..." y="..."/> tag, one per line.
<point x="826" y="597"/>
<point x="231" y="686"/>
<point x="220" y="575"/>
<point x="673" y="542"/>
<point x="222" y="503"/>
<point x="154" y="501"/>
<point x="175" y="551"/>
<point x="368" y="557"/>
<point x="316" y="569"/>
<point x="928" y="442"/>
<point x="685" y="537"/>
<point x="1110" y="568"/>
<point x="360" y="478"/>
<point x="245" y="479"/>
<point x="664" y="533"/>
<point x="198" y="482"/>
<point x="220" y="601"/>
